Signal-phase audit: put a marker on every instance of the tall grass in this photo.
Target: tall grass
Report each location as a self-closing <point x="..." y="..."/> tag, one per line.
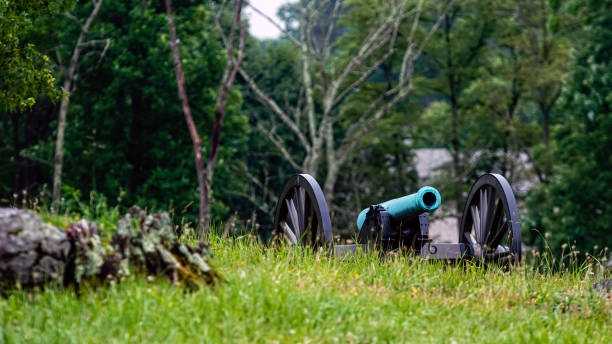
<point x="280" y="294"/>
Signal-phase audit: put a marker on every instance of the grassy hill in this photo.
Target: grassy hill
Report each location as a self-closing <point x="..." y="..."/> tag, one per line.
<point x="283" y="295"/>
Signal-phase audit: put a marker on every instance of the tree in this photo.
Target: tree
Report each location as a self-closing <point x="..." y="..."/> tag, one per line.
<point x="205" y="176"/>
<point x="576" y="206"/>
<point x="320" y="130"/>
<point x="68" y="88"/>
<point x="535" y="42"/>
<point x="24" y="72"/>
<point x="453" y="59"/>
<point x="123" y="144"/>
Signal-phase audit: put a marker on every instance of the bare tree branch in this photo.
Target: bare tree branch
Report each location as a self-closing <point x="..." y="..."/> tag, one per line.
<point x="358" y="130"/>
<point x="70" y="77"/>
<point x="257" y="182"/>
<point x="216" y="16"/>
<point x="371" y="44"/>
<point x="330" y="29"/>
<point x="364" y="76"/>
<point x="103" y="53"/>
<point x="195" y="137"/>
<point x="277" y="25"/>
<point x="94" y="42"/>
<point x="229" y="74"/>
<point x="264" y="207"/>
<point x="266" y="100"/>
<point x="271" y="134"/>
<point x="378" y="47"/>
<point x="74" y="19"/>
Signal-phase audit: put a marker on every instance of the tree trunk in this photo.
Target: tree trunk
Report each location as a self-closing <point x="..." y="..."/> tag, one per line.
<point x="314" y="157"/>
<point x="205" y="174"/>
<point x="330" y="180"/>
<point x="59" y="143"/>
<point x="229" y="75"/>
<point x="61" y="126"/>
<point x="193" y="132"/>
<point x="333" y="164"/>
<point x="16" y="157"/>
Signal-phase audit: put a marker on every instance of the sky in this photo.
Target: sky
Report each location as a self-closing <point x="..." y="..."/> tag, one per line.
<point x="260" y="27"/>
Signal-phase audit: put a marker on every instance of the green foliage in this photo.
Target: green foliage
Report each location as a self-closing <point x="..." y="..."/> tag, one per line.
<point x="24" y="71"/>
<point x="497" y="84"/>
<point x="577" y="205"/>
<point x="127" y="139"/>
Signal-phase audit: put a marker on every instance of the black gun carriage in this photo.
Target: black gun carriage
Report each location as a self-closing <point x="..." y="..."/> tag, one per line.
<point x="489" y="229"/>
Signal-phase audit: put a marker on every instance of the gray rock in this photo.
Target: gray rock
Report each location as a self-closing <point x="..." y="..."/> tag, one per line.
<point x="32" y="252"/>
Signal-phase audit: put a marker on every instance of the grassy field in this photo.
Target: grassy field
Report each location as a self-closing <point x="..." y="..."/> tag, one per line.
<point x="286" y="296"/>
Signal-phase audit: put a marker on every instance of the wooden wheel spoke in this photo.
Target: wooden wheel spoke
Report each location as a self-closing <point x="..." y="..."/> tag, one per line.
<point x="289" y="233"/>
<point x="476" y="221"/>
<point x="500" y="252"/>
<point x="293" y="216"/>
<point x="484" y="202"/>
<point x="470" y="238"/>
<point x="300" y="199"/>
<point x="499" y="236"/>
<point x="496" y="223"/>
<point x="490" y="213"/>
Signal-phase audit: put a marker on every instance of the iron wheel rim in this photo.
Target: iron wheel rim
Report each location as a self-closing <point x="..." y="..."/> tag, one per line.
<point x="491" y="224"/>
<point x="301" y="215"/>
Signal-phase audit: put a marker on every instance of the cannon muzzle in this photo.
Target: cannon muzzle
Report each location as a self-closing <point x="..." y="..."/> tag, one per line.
<point x="427" y="199"/>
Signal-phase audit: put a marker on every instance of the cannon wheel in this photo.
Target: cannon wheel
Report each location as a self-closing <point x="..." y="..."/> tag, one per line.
<point x="490" y="224"/>
<point x="302" y="215"/>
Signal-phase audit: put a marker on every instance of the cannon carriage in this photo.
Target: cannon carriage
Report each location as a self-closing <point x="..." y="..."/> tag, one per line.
<point x="489" y="229"/>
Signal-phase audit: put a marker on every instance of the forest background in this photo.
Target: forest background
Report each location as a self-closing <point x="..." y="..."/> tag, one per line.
<point x="519" y="87"/>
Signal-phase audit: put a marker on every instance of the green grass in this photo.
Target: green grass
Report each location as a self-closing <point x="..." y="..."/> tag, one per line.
<point x="283" y="295"/>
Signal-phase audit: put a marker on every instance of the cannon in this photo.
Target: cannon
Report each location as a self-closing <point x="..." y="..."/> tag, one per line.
<point x="489" y="229"/>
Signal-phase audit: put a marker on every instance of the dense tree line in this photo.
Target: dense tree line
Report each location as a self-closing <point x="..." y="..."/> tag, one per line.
<point x="519" y="87"/>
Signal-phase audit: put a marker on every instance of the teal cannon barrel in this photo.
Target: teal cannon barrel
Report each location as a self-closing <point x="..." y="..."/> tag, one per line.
<point x="427" y="199"/>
